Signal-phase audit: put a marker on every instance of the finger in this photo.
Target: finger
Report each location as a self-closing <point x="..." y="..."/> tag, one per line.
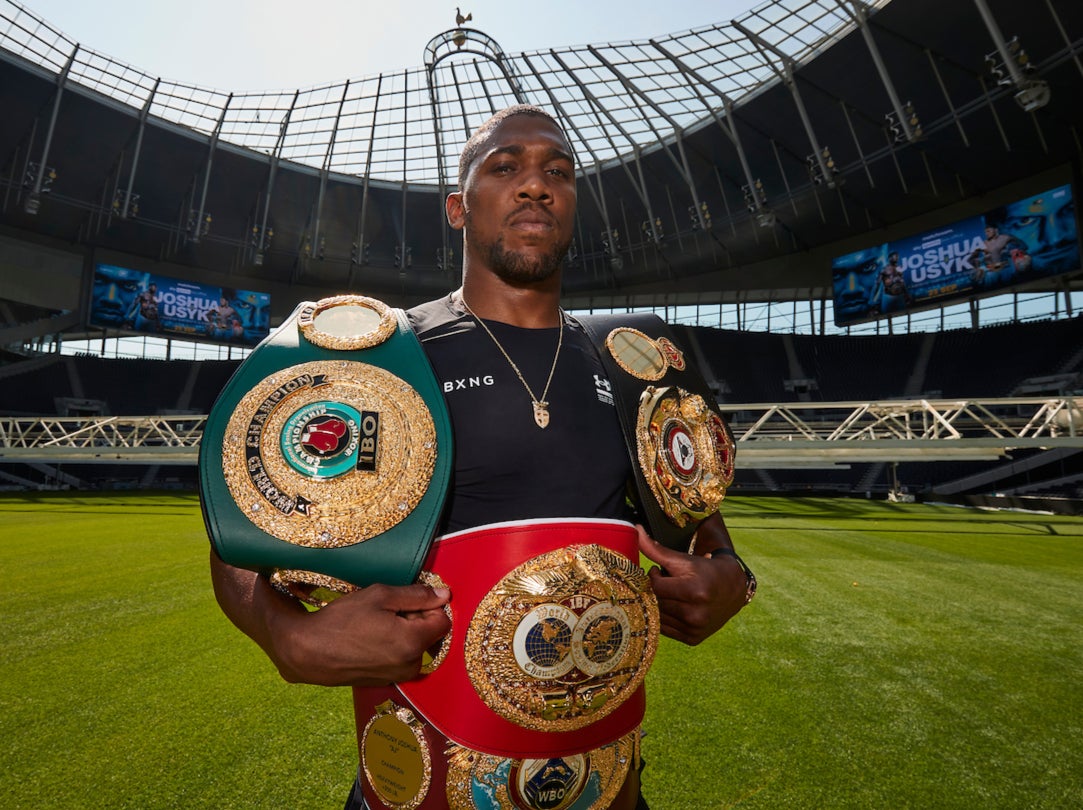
<point x="648" y="545"/>
<point x="677" y="632"/>
<point x="411" y="598"/>
<point x="429" y="626"/>
<point x="681" y="612"/>
<point x="678" y="583"/>
<point x="654" y="551"/>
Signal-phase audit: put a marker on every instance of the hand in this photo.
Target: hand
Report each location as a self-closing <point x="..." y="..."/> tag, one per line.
<point x="696" y="595"/>
<point x="371" y="637"/>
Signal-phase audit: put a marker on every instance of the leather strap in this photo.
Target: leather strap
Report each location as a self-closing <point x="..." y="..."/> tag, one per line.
<point x="471" y="564"/>
<point x="393" y="555"/>
<point x="627" y="391"/>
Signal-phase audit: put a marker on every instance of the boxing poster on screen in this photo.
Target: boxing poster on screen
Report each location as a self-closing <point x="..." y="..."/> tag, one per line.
<point x="1024" y="241"/>
<point x="146" y="303"/>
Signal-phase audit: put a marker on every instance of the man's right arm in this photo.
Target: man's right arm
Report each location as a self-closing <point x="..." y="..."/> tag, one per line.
<point x="371" y="637"/>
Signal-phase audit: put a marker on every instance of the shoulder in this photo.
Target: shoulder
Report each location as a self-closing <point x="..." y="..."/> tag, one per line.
<point x="437" y="318"/>
<point x="603" y="324"/>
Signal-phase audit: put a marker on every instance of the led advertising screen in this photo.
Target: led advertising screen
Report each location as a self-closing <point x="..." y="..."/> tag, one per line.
<point x="123" y="298"/>
<point x="1023" y="241"/>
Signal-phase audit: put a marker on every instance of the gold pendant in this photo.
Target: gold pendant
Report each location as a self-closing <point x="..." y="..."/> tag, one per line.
<point x="541" y="414"/>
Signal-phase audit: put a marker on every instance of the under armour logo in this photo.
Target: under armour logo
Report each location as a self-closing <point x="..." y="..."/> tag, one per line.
<point x="604" y="389"/>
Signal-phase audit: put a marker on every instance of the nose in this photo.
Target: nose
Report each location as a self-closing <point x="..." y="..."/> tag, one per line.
<point x="534" y="185"/>
<point x="1054" y="231"/>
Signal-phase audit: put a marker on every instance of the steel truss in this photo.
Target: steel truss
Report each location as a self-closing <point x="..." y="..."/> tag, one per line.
<point x="794" y="434"/>
<point x="102" y="439"/>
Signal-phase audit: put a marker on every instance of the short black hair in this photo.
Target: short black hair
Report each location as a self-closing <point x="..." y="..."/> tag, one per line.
<point x="477" y="140"/>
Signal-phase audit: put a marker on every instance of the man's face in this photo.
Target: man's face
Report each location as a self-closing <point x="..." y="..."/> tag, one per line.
<point x="114" y="290"/>
<point x="854" y="279"/>
<point x="1046" y="223"/>
<point x="517" y="207"/>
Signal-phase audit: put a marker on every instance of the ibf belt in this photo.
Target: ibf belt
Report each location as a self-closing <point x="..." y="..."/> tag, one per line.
<point x="406" y="764"/>
<point x="327" y="455"/>
<point x="553" y="630"/>
<point x="682" y="450"/>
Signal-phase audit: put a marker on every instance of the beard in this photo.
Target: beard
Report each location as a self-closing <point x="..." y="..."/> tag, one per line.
<point x="515" y="267"/>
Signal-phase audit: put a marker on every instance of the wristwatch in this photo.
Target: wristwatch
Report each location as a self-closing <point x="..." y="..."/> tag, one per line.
<point x="750" y="578"/>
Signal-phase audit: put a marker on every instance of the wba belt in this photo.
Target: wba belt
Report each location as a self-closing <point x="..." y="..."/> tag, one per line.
<point x="328" y="453"/>
<point x="553" y="629"/>
<point x="682" y="450"/>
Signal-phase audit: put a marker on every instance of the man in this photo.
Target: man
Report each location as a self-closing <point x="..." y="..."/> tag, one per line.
<point x="220" y="319"/>
<point x="990" y="265"/>
<point x="891" y="293"/>
<point x="114" y="295"/>
<point x="534" y="439"/>
<point x="855" y="278"/>
<point x="146" y="319"/>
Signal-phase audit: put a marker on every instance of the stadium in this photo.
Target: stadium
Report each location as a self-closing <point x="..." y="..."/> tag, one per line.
<point x="858" y="218"/>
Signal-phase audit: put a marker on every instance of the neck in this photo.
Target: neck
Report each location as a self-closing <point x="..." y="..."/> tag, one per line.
<point x="529" y="306"/>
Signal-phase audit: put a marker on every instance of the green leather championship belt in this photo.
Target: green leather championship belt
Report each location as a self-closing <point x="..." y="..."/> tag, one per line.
<point x="327" y="456"/>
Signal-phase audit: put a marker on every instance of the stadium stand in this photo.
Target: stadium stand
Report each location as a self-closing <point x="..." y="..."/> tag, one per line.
<point x="726" y="167"/>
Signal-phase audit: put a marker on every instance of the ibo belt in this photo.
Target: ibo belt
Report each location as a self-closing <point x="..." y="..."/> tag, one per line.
<point x="328" y="453"/>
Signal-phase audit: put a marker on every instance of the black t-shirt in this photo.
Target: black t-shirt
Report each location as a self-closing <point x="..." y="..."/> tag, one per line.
<point x="506" y="467"/>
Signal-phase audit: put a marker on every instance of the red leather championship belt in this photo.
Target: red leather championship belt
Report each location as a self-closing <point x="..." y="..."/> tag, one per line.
<point x="539" y="684"/>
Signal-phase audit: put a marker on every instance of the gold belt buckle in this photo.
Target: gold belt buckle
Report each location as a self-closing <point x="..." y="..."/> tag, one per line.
<point x="563" y="639"/>
<point x="477" y="781"/>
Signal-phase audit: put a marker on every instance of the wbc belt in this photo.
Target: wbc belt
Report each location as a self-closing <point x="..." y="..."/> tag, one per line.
<point x="406" y="764"/>
<point x="553" y="629"/>
<point x="327" y="455"/>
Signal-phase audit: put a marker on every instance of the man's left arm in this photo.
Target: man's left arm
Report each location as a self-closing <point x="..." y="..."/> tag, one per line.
<point x="699" y="592"/>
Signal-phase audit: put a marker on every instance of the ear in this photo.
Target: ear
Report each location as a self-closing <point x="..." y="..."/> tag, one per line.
<point x="456" y="210"/>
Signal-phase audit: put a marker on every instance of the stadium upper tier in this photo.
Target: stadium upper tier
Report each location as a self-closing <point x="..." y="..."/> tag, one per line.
<point x="726" y="164"/>
<point x="410" y="125"/>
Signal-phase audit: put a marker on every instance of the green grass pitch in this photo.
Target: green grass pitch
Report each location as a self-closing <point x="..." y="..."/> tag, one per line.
<point x="896" y="656"/>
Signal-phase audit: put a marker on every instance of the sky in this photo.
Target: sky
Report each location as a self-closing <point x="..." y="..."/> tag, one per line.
<point x="240" y="45"/>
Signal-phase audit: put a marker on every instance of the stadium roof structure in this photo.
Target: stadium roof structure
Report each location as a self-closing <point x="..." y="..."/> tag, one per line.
<point x="725" y="163"/>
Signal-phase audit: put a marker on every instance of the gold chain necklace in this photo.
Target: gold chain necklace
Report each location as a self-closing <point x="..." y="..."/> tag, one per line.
<point x="541" y="407"/>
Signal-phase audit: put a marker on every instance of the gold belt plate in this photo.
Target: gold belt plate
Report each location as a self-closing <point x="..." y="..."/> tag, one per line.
<point x="539" y="784"/>
<point x="395" y="757"/>
<point x="563" y="639"/>
<point x="329" y="453"/>
<point x="685" y="451"/>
